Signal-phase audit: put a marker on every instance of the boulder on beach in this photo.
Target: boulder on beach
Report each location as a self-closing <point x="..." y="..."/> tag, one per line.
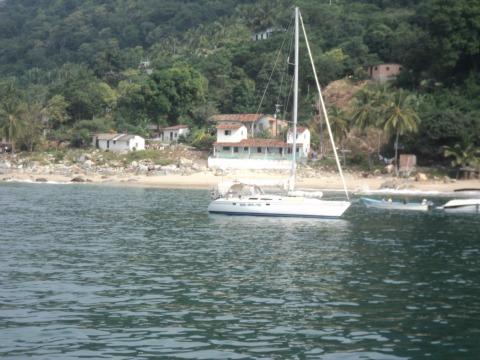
<point x="79" y="179"/>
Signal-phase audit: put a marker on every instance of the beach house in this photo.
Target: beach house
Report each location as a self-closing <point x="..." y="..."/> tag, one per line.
<point x="118" y="142"/>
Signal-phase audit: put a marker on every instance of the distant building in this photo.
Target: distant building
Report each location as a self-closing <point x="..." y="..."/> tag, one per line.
<point x="172" y="133"/>
<point x="303" y="140"/>
<point x="234" y="147"/>
<point x="145" y="65"/>
<point x="384" y="72"/>
<point x="118" y="142"/>
<point x="255" y="123"/>
<point x="266" y="33"/>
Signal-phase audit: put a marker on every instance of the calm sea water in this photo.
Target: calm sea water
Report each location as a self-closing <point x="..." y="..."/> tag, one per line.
<point x="106" y="272"/>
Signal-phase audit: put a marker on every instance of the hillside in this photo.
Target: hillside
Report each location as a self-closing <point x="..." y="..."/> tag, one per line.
<point x="72" y="68"/>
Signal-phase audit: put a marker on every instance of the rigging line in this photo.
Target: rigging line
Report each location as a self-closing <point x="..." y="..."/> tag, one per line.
<point x="324" y="110"/>
<point x="271" y="75"/>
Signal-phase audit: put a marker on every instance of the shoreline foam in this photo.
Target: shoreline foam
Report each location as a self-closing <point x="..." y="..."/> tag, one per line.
<point x="207" y="180"/>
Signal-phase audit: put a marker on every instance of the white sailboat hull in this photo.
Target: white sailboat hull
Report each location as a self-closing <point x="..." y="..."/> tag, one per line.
<point x="279" y="206"/>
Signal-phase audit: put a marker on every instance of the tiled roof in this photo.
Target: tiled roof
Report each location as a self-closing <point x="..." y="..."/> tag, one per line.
<point x="245" y="118"/>
<point x="176" y="127"/>
<point x="114" y="137"/>
<point x="229" y="126"/>
<point x="258" y="143"/>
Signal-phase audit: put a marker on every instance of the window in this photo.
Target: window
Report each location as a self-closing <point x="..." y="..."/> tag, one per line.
<point x="376" y="68"/>
<point x="114" y="142"/>
<point x="259" y="150"/>
<point x="235" y="149"/>
<point x="226" y="148"/>
<point x="228" y="132"/>
<point x="388" y="68"/>
<point x="245" y="149"/>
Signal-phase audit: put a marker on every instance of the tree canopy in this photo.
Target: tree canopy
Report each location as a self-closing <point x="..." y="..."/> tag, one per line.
<point x="134" y="63"/>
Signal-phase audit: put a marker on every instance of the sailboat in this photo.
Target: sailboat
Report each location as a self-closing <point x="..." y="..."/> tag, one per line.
<point x="245" y="198"/>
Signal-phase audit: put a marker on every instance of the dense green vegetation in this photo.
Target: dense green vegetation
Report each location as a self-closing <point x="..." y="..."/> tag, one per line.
<point x="75" y="67"/>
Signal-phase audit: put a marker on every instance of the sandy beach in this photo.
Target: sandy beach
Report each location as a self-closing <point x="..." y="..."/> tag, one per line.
<point x="208" y="179"/>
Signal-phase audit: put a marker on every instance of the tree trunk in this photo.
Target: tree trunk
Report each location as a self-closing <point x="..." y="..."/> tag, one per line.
<point x="396" y="155"/>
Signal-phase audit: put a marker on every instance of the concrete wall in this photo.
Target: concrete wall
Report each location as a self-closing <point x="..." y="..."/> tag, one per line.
<point x="253" y="164"/>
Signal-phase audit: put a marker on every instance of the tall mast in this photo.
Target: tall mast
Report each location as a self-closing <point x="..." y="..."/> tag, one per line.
<point x="295" y="104"/>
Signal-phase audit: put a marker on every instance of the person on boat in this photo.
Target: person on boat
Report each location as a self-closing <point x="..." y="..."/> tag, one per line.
<point x="405" y="201"/>
<point x="389" y="200"/>
<point x="424" y="202"/>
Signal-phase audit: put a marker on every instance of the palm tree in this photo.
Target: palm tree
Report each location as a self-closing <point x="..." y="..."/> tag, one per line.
<point x="340" y="128"/>
<point x="464" y="153"/>
<point x="267" y="14"/>
<point x="400" y="117"/>
<point x="365" y="109"/>
<point x="366" y="105"/>
<point x="247" y="14"/>
<point x="12" y="123"/>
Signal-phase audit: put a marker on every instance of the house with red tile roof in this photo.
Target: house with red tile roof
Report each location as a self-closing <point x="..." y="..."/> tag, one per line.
<point x="255" y="123"/>
<point x="236" y="148"/>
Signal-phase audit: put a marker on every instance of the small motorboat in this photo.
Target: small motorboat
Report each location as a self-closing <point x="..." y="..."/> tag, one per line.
<point x="462" y="205"/>
<point x="396" y="205"/>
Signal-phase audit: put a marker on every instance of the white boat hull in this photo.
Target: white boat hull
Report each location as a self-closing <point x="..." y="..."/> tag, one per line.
<point x="279" y="206"/>
<point x="462" y="205"/>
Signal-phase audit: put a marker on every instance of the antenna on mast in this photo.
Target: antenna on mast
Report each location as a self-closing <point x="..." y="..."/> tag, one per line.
<point x="277" y="110"/>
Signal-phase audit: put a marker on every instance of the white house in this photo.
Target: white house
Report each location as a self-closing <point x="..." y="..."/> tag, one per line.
<point x="266" y="33"/>
<point x="231" y="133"/>
<point x="303" y="139"/>
<point x="118" y="142"/>
<point x="172" y="133"/>
<point x="233" y="142"/>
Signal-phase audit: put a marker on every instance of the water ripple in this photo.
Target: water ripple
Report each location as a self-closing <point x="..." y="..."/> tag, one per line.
<point x="135" y="273"/>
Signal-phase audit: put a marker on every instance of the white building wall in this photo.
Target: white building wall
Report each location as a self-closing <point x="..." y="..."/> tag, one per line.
<point x="172" y="135"/>
<point x="302" y="138"/>
<point x="236" y="135"/>
<point x="137" y="143"/>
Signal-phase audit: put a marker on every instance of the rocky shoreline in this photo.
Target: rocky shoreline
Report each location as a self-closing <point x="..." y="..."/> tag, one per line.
<point x="184" y="172"/>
